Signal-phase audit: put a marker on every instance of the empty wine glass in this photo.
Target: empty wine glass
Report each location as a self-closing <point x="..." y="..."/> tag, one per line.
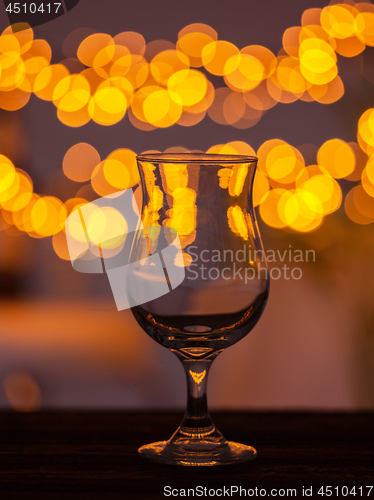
<point x="207" y="201"/>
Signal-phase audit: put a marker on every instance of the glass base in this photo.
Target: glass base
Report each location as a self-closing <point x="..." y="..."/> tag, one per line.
<point x="204" y="454"/>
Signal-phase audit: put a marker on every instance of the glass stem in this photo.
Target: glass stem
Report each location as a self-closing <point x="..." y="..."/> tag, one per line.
<point x="197" y="422"/>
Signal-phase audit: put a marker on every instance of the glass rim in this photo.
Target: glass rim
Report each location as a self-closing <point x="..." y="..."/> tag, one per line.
<point x="195" y="158"/>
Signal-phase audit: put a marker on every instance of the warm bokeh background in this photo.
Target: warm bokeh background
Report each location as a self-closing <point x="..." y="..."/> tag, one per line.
<point x="291" y="83"/>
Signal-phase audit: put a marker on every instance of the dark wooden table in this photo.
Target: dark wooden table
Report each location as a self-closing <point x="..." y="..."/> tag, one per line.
<point x="93" y="455"/>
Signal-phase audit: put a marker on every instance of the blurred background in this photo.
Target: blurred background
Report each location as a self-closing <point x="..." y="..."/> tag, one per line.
<point x="83" y="94"/>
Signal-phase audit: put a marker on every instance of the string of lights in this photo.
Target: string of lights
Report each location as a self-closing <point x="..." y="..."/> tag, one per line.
<point x="161" y="84"/>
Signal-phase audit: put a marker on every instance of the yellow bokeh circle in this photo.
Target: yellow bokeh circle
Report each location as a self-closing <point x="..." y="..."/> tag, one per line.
<point x="337" y="158"/>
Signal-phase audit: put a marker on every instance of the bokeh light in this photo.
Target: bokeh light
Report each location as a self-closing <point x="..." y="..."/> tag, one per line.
<point x="243" y="72"/>
<point x="215" y="55"/>
<point x="159" y="84"/>
<point x="192" y="39"/>
<point x="359" y="206"/>
<point x="117" y="71"/>
<point x="339" y="20"/>
<point x="317" y="61"/>
<point x="124" y="173"/>
<point x="269" y="211"/>
<point x="93" y="45"/>
<point x="337" y="158"/>
<point x="80" y="161"/>
<point x="48" y="216"/>
<point x="367" y="177"/>
<point x="22" y="392"/>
